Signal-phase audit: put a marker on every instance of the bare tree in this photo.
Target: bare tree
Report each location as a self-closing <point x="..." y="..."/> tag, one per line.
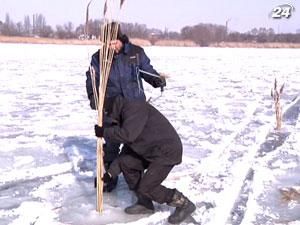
<point x="27" y="26"/>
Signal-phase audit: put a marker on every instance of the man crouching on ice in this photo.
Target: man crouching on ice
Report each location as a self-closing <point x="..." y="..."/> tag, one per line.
<point x="154" y="148"/>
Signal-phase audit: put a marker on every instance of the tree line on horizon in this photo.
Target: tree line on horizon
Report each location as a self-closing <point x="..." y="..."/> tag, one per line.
<point x="202" y="34"/>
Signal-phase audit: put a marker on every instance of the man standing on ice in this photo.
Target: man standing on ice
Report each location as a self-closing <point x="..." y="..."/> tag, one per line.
<point x="153" y="149"/>
<point x="129" y="66"/>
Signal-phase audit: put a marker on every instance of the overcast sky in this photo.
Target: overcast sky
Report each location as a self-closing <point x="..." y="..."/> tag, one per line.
<point x="242" y="15"/>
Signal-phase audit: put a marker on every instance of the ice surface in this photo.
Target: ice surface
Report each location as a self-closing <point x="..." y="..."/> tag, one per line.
<point x="217" y="98"/>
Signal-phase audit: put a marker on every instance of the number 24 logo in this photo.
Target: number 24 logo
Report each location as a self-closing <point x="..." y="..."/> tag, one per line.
<point x="282" y="11"/>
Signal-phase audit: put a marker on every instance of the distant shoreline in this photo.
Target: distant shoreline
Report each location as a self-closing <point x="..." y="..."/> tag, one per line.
<point x="141" y="42"/>
<point x="144" y="42"/>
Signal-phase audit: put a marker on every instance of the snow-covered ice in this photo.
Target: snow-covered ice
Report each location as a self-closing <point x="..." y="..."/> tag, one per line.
<point x="217" y="98"/>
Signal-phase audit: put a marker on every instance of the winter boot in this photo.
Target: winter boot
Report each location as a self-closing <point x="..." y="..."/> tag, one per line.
<point x="143" y="205"/>
<point x="184" y="208"/>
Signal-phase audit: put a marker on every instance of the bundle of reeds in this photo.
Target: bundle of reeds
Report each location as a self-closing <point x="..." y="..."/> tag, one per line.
<point x="109" y="31"/>
<point x="275" y="94"/>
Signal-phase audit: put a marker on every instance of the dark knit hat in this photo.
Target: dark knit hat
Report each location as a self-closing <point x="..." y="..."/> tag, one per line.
<point x="120" y="36"/>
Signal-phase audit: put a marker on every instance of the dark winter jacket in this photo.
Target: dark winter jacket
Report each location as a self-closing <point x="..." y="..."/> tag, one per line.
<point x="125" y="77"/>
<point x="145" y="130"/>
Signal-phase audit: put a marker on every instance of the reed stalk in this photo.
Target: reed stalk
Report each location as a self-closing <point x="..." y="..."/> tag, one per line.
<point x="86" y="27"/>
<point x="276" y="94"/>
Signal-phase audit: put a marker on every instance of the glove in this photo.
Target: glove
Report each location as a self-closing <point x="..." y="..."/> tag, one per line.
<point x="107" y="178"/>
<point x="99" y="131"/>
<point x="163" y="82"/>
<point x="160" y="82"/>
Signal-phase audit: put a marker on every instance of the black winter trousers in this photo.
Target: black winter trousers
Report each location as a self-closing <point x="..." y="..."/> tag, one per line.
<point x="146" y="183"/>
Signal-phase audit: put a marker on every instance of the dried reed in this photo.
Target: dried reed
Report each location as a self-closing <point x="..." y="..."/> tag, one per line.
<point x="86" y="28"/>
<point x="275" y="94"/>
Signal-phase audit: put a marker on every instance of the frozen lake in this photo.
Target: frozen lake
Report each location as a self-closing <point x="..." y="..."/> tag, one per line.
<point x="219" y="101"/>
